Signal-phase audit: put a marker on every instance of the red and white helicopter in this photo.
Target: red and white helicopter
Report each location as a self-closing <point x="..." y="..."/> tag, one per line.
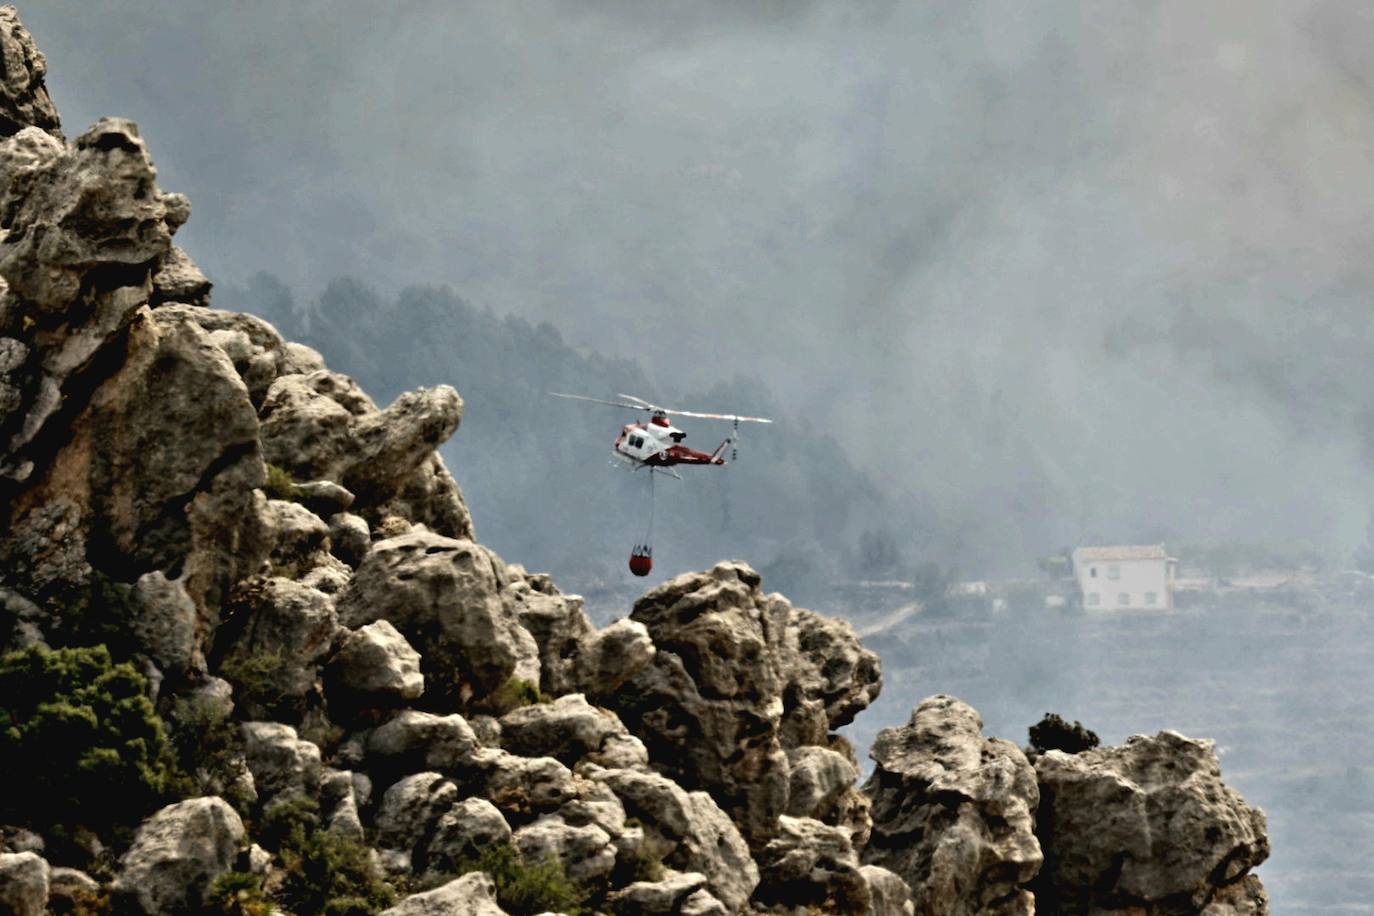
<point x="657" y="446"/>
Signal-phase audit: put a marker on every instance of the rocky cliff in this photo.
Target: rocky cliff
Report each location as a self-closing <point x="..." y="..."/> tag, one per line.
<point x="256" y="661"/>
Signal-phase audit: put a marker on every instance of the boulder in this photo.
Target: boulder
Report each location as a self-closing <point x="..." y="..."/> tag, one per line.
<point x="569" y="729"/>
<point x="409" y="810"/>
<point x="953" y="813"/>
<point x="819" y="778"/>
<point x="339" y="804"/>
<point x="586" y="852"/>
<point x="166" y="626"/>
<point x="1149" y="823"/>
<point x="1245" y="897"/>
<point x="444" y="595"/>
<point x="524" y="788"/>
<point x="374" y="664"/>
<point x="889" y="894"/>
<point x="809" y="864"/>
<point x="70" y="888"/>
<point x="663" y="897"/>
<point x="296" y="535"/>
<point x="687" y="830"/>
<point x="281" y="763"/>
<point x="277" y="633"/>
<point x="471" y="895"/>
<point x="413" y="740"/>
<point x="470" y="827"/>
<point x="177" y="854"/>
<point x="24" y="878"/>
<point x="349" y="537"/>
<point x="178" y="279"/>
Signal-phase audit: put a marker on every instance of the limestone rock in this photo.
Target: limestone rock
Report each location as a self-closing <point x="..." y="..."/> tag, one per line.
<point x="296" y="534"/>
<point x="70" y="886"/>
<point x="23" y="879"/>
<point x="889" y="894"/>
<point x="324" y="497"/>
<point x="1245" y="897"/>
<point x="471" y="895"/>
<point x="390" y="446"/>
<point x="656" y="898"/>
<point x="339" y="804"/>
<point x="176" y="855"/>
<point x="162" y="482"/>
<point x="953" y="813"/>
<point x="831" y="676"/>
<point x="523" y="788"/>
<point x="811" y="865"/>
<point x="1149" y="822"/>
<point x="275" y="618"/>
<point x="568" y="729"/>
<point x="375" y="664"/>
<point x="688" y="830"/>
<point x="708" y="707"/>
<point x="410" y="808"/>
<point x="445" y="597"/>
<point x="281" y="763"/>
<point x="819" y="778"/>
<point x="586" y="852"/>
<point x="470" y="826"/>
<point x="178" y="279"/>
<point x="413" y="740"/>
<point x="166" y="625"/>
<point x="24" y="99"/>
<point x="350" y="538"/>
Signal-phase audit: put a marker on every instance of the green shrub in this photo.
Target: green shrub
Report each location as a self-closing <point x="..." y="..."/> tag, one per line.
<point x="208" y="747"/>
<point x="329" y="874"/>
<point x="280" y="484"/>
<point x="251" y="673"/>
<point x="513" y="694"/>
<point x="1054" y="733"/>
<point x="97" y="614"/>
<point x="524" y="887"/>
<point x="237" y="894"/>
<point x="79" y="734"/>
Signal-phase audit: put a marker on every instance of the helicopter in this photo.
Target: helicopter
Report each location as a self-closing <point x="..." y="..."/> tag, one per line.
<point x="657" y="446"/>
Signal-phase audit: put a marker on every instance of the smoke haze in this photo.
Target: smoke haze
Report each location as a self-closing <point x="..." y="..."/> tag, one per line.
<point x="1072" y="272"/>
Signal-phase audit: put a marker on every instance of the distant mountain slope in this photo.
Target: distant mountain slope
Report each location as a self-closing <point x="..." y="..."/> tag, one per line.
<point x="536" y="470"/>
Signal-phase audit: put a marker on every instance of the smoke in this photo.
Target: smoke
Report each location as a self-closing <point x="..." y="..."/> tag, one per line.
<point x="1070" y="271"/>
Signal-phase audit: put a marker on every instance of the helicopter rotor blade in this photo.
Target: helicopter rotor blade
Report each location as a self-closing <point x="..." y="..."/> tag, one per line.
<point x="640" y="401"/>
<point x="578" y="397"/>
<point x="717" y="416"/>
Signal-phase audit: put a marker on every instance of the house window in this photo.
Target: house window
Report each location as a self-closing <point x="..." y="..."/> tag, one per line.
<point x="1151" y="599"/>
<point x="1114" y="571"/>
<point x="1094" y="599"/>
<point x="1123" y="599"/>
<point x="1092" y="571"/>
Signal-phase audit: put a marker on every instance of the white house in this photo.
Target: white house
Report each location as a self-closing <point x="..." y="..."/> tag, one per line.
<point x="1125" y="577"/>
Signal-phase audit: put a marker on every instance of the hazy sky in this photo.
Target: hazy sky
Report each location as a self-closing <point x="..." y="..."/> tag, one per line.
<point x="1077" y="271"/>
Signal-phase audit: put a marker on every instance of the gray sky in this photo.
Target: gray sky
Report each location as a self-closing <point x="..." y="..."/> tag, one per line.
<point x="1077" y="271"/>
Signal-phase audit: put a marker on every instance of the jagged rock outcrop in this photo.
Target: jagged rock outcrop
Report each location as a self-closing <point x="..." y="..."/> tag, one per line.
<point x="954" y="812"/>
<point x="24" y="99"/>
<point x="571" y="729"/>
<point x="1147" y="827"/>
<point x="732" y="666"/>
<point x="177" y="854"/>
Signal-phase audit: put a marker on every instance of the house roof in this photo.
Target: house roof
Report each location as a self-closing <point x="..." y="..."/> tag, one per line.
<point x="1137" y="552"/>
